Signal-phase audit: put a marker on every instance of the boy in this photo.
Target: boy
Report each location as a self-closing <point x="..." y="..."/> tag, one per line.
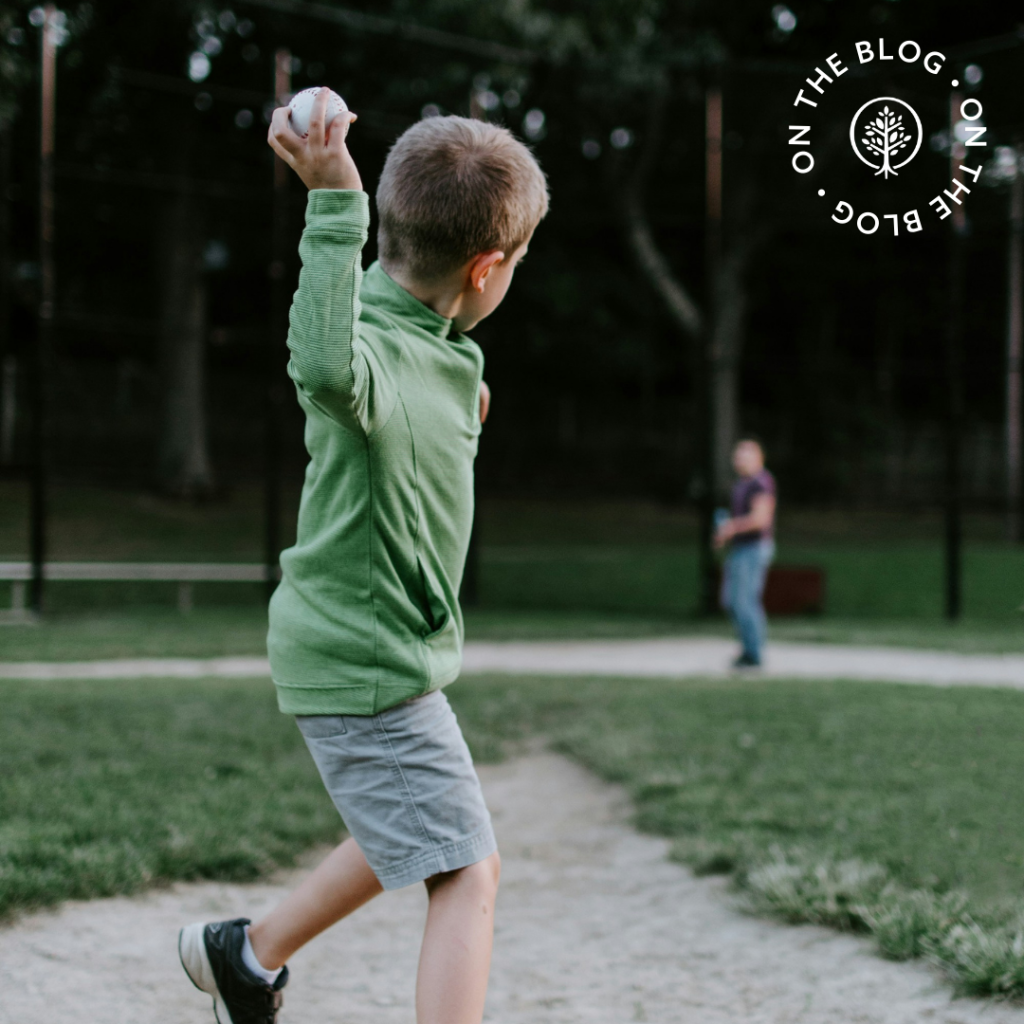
<point x="750" y="532"/>
<point x="365" y="628"/>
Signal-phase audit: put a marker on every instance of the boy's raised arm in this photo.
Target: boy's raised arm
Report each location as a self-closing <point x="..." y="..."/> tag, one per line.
<point x="324" y="317"/>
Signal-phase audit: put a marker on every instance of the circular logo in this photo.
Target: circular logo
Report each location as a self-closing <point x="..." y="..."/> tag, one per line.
<point x="886" y="134"/>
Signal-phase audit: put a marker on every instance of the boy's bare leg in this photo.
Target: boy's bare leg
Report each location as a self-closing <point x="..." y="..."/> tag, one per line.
<point x="456" y="957"/>
<point x="342" y="883"/>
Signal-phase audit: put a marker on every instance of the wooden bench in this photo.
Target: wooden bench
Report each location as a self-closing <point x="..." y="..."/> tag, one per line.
<point x="185" y="574"/>
<point x="795" y="590"/>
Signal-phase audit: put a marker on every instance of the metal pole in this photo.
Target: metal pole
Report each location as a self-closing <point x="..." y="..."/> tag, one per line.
<point x="272" y="397"/>
<point x="1014" y="350"/>
<point x="44" y="341"/>
<point x="8" y="364"/>
<point x="954" y="394"/>
<point x="712" y="260"/>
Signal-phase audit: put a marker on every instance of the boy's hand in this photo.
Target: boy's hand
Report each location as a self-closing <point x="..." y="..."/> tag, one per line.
<point x="321" y="160"/>
<point x="485" y="401"/>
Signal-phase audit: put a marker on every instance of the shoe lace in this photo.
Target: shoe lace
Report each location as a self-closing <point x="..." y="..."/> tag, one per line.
<point x="274" y="1001"/>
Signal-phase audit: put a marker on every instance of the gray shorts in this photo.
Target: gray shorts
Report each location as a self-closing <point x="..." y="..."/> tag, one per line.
<point x="404" y="784"/>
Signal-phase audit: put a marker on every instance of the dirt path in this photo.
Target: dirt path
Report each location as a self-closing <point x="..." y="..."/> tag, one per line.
<point x="594" y="925"/>
<point x="668" y="658"/>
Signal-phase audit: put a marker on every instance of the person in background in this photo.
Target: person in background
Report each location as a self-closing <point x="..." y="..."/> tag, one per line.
<point x="748" y="530"/>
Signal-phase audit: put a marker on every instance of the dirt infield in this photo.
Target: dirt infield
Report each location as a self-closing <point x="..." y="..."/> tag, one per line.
<point x="594" y="925"/>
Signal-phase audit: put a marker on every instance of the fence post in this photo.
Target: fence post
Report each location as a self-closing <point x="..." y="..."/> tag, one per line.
<point x="47" y="298"/>
<point x="275" y="339"/>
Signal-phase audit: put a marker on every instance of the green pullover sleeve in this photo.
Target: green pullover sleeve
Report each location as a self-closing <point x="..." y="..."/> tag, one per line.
<point x="327" y="363"/>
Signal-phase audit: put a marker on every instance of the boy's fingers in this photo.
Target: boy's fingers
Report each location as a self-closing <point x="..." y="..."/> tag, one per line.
<point x="317" y="116"/>
<point x="338" y="131"/>
<point x="282" y="133"/>
<point x="283" y="153"/>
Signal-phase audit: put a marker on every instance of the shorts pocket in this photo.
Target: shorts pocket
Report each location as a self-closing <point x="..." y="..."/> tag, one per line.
<point x="321" y="727"/>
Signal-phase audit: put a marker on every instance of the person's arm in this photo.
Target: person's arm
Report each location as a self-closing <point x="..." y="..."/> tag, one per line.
<point x="760" y="517"/>
<point x="326" y="363"/>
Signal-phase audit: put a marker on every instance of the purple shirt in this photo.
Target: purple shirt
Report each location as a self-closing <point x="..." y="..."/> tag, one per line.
<point x="743" y="493"/>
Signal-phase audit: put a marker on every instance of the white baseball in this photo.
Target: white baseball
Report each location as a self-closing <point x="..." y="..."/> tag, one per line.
<point x="301" y="107"/>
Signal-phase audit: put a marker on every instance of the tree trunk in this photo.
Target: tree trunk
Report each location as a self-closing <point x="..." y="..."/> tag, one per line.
<point x="650" y="259"/>
<point x="184" y="458"/>
<point x="8" y="363"/>
<point x="724" y="368"/>
<point x="716" y="335"/>
<point x="730" y="299"/>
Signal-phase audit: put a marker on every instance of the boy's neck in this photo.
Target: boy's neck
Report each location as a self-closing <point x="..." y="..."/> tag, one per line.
<point x="443" y="296"/>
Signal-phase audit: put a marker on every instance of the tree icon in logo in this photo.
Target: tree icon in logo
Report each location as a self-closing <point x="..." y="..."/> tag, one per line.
<point x="882" y="132"/>
<point x="885" y="137"/>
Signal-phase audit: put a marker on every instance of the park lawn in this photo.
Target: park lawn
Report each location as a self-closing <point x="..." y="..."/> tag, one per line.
<point x="155" y="631"/>
<point x="146" y="631"/>
<point x="923" y="780"/>
<point x="877" y="807"/>
<point x="598" y="557"/>
<point x="870" y="579"/>
<point x="899" y="581"/>
<point x="109" y="787"/>
<point x="838" y="802"/>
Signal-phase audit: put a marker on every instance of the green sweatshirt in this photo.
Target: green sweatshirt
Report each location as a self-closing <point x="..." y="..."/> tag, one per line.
<point x="367" y="613"/>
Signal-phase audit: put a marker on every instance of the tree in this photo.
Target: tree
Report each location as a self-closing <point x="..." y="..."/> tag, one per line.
<point x="885" y="137"/>
<point x="185" y="468"/>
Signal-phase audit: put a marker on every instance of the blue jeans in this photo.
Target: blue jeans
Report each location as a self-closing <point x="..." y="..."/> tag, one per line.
<point x="743" y="578"/>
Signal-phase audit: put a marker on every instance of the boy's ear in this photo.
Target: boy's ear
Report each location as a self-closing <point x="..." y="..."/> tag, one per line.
<point x="480" y="269"/>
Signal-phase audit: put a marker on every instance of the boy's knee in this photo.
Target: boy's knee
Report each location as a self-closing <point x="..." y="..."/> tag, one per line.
<point x="492" y="865"/>
<point x="483" y="876"/>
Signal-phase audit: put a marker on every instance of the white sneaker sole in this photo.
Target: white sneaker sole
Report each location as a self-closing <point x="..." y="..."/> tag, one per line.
<point x="192" y="953"/>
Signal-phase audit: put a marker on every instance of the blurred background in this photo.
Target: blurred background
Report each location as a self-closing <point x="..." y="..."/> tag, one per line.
<point x="639" y="340"/>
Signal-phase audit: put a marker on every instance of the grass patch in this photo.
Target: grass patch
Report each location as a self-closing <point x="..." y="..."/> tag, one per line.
<point x="867" y="806"/>
<point x="923" y="781"/>
<point x="889" y="809"/>
<point x="142" y="632"/>
<point x="968" y="636"/>
<point x="609" y="558"/>
<point x="864" y="580"/>
<point x="109" y="787"/>
<point x="215" y="631"/>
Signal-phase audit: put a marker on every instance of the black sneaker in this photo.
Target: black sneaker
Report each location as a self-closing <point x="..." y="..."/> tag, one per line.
<point x="746" y="661"/>
<point x="212" y="957"/>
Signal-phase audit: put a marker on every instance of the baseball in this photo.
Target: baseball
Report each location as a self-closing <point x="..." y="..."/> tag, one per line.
<point x="301" y="107"/>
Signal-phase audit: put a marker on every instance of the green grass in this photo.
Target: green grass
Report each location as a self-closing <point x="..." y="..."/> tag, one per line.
<point x="924" y="781"/>
<point x="599" y="557"/>
<point x="141" y="632"/>
<point x="968" y="636"/>
<point x="892" y="809"/>
<point x="869" y="580"/>
<point x="217" y="630"/>
<point x="109" y="787"/>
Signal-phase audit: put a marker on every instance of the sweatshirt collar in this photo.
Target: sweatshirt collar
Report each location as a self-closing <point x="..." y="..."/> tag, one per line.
<point x="394" y="299"/>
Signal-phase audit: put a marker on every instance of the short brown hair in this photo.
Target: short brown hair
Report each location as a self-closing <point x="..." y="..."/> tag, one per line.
<point x="452" y="188"/>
